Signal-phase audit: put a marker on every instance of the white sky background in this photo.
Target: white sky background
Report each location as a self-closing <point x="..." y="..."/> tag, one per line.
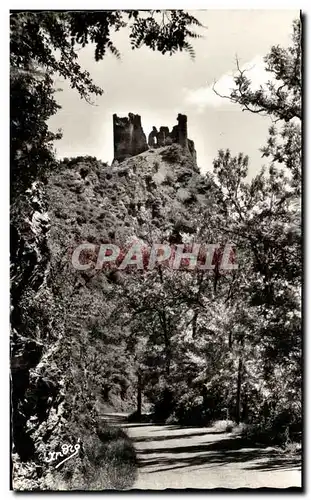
<point x="158" y="87"/>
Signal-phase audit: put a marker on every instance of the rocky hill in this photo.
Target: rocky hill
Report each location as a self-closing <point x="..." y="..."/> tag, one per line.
<point x="81" y="358"/>
<point x="96" y="202"/>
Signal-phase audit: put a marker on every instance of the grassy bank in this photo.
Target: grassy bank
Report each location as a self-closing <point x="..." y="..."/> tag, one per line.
<point x="107" y="461"/>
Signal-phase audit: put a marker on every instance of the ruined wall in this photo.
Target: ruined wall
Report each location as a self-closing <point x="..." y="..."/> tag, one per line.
<point x="130" y="140"/>
<point x="178" y="135"/>
<point x="128" y="137"/>
<point x="182" y="130"/>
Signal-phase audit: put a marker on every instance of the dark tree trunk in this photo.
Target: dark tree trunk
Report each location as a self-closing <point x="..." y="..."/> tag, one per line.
<point x="245" y="408"/>
<point x="194" y="324"/>
<point x="139" y="393"/>
<point x="166" y="334"/>
<point x="238" y="392"/>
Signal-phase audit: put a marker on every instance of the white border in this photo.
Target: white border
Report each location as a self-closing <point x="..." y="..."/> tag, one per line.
<point x="160" y="4"/>
<point x="4" y="197"/>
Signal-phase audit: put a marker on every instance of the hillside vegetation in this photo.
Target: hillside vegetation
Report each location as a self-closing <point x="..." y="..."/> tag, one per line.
<point x="185" y="346"/>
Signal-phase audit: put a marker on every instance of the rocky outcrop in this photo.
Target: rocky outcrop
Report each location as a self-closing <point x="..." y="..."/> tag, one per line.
<point x="33" y="391"/>
<point x="38" y="371"/>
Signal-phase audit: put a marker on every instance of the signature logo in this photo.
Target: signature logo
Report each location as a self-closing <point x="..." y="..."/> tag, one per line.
<point x="66" y="449"/>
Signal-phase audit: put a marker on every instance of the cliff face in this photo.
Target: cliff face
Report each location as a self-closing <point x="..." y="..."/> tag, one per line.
<point x="36" y="380"/>
<point x="130" y="139"/>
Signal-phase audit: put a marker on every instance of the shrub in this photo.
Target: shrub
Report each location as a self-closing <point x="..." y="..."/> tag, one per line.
<point x="108" y="433"/>
<point x="224" y="425"/>
<point x="84" y="172"/>
<point x="107" y="461"/>
<point x="163" y="405"/>
<point x="269" y="435"/>
<point x="191" y="199"/>
<point x="168" y="181"/>
<point x="171" y="154"/>
<point x="136" y="417"/>
<point x="191" y="412"/>
<point x="123" y="173"/>
<point x="110" y="460"/>
<point x="184" y="177"/>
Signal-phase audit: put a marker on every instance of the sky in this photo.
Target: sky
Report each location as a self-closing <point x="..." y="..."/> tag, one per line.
<point x="158" y="87"/>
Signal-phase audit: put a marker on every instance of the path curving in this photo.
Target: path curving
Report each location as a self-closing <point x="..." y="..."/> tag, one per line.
<point x="176" y="457"/>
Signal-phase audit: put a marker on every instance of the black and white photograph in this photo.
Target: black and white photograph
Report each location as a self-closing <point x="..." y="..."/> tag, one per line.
<point x="156" y="250"/>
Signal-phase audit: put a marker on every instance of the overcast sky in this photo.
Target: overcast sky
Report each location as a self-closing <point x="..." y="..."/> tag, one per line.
<point x="158" y="87"/>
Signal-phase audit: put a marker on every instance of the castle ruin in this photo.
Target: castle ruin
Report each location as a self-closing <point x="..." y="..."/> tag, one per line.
<point x="129" y="138"/>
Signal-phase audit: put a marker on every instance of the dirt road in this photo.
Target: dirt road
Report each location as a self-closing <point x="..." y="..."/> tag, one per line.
<point x="178" y="457"/>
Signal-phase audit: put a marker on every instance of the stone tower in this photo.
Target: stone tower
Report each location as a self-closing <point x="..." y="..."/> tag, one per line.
<point x="179" y="133"/>
<point x="128" y="137"/>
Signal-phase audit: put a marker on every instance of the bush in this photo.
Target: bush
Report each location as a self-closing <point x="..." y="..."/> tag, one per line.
<point x="108" y="433"/>
<point x="267" y="434"/>
<point x="123" y="173"/>
<point x="275" y="424"/>
<point x="112" y="460"/>
<point x="163" y="406"/>
<point x="224" y="425"/>
<point x="139" y="418"/>
<point x="171" y="154"/>
<point x="168" y="181"/>
<point x="107" y="461"/>
<point x="84" y="172"/>
<point x="184" y="177"/>
<point x="191" y="413"/>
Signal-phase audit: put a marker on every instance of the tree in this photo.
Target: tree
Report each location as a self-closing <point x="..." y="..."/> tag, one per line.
<point x="265" y="218"/>
<point x="51" y="39"/>
<point x="280" y="99"/>
<point x="45" y="44"/>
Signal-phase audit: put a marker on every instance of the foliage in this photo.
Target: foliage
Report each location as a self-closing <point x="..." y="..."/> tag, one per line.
<point x="280" y="98"/>
<point x="171" y="154"/>
<point x="197" y="345"/>
<point x="31" y="152"/>
<point x="230" y="346"/>
<point x="45" y="44"/>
